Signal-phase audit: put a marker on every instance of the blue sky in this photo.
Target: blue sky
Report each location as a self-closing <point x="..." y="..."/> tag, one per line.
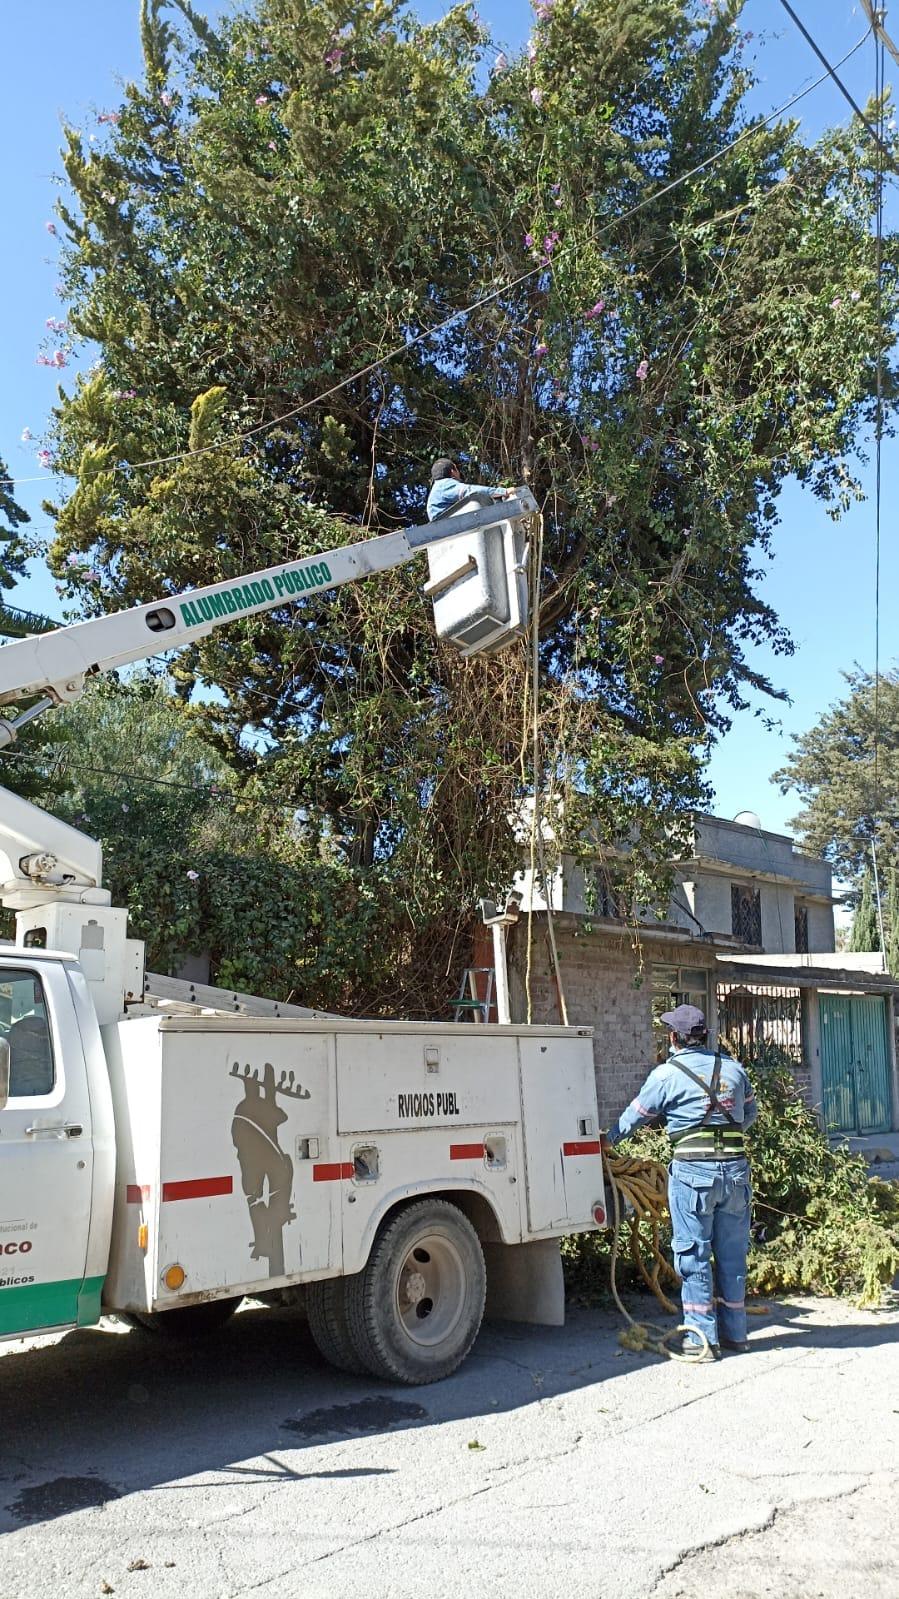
<point x="66" y="60"/>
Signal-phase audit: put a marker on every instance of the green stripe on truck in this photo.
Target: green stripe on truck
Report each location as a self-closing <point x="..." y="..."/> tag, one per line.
<point x="36" y="1305"/>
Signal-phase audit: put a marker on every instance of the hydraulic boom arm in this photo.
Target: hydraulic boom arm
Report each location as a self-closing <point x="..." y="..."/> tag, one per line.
<point x="58" y="664"/>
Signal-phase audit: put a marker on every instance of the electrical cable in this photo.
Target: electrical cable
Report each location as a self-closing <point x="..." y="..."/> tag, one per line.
<point x="465" y="311"/>
<point x="879" y="93"/>
<point x="832" y="72"/>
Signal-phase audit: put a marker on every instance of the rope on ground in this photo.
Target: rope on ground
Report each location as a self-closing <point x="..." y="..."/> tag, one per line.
<point x="641" y="1187"/>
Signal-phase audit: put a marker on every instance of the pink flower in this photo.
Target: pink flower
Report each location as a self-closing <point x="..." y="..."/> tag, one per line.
<point x="58" y="359"/>
<point x="334" y="58"/>
<point x="835" y="303"/>
<point x="93" y="576"/>
<point x="74" y="559"/>
<point x="532" y="50"/>
<point x="27" y="435"/>
<point x="643" y="371"/>
<point x="42" y="360"/>
<point x="543" y="9"/>
<point x="529" y="241"/>
<point x="501" y="64"/>
<point x="167" y="99"/>
<point x="262" y="99"/>
<point x="51" y="228"/>
<point x="537" y="96"/>
<point x="272" y="145"/>
<point x="659" y="660"/>
<point x="125" y="394"/>
<point x="554" y="188"/>
<point x="549" y="243"/>
<point x="55" y="326"/>
<point x="45" y="458"/>
<point x="541" y="350"/>
<point x="557" y="204"/>
<point x="194" y="876"/>
<point x="109" y="116"/>
<point x="595" y="311"/>
<point x="585" y="440"/>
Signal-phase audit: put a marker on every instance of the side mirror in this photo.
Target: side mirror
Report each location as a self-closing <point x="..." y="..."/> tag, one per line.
<point x="4" y="1072"/>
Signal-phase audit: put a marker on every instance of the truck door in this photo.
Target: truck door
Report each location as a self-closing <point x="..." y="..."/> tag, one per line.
<point x="45" y="1156"/>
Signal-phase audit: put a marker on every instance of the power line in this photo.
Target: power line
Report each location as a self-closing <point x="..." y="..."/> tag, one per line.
<point x="878" y="452"/>
<point x="476" y="305"/>
<point x="832" y="72"/>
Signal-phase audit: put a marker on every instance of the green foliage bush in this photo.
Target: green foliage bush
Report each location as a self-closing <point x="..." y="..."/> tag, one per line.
<point x="820" y="1224"/>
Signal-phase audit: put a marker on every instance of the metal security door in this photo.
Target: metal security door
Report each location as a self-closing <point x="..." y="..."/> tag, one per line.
<point x="872" y="1079"/>
<point x="838" y="1077"/>
<point x="854" y="1063"/>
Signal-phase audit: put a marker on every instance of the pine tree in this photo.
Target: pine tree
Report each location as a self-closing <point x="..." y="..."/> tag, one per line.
<point x="12" y="554"/>
<point x="892" y="920"/>
<point x="865" y="930"/>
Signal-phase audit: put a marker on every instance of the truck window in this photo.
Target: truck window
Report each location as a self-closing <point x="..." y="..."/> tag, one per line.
<point x="24" y="1025"/>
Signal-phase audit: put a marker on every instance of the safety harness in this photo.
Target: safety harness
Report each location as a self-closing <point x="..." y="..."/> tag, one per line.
<point x="706" y="1141"/>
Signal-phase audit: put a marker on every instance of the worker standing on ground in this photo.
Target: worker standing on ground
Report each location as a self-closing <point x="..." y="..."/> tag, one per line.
<point x="707" y="1103"/>
<point x="447" y="489"/>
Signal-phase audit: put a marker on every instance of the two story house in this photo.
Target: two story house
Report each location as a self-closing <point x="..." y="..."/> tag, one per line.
<point x="748" y="936"/>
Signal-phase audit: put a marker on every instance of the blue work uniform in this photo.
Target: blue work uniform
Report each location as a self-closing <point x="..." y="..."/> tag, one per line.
<point x="448" y="491"/>
<point x="709" y="1192"/>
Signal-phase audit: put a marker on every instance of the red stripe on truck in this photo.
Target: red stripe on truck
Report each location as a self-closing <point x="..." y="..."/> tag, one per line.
<point x="198" y="1188"/>
<point x="466" y="1151"/>
<point x="333" y="1171"/>
<point x="587" y="1146"/>
<point x="136" y="1193"/>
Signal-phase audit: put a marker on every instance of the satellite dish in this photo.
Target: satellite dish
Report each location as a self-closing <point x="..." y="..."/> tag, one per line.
<point x="748" y="819"/>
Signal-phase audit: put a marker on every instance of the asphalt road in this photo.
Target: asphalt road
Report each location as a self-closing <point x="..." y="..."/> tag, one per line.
<point x="552" y="1463"/>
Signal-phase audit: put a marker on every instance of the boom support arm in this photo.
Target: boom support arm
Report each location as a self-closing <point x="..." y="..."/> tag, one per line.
<point x="58" y="664"/>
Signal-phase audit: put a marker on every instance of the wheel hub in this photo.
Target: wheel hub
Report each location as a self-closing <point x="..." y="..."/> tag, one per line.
<point x="414" y="1287"/>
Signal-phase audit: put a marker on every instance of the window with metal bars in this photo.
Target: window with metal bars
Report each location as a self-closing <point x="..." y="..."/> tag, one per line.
<point x="800" y="923"/>
<point x="746" y="913"/>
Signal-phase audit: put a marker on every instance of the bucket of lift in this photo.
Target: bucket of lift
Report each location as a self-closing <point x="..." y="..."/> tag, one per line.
<point x="478" y="582"/>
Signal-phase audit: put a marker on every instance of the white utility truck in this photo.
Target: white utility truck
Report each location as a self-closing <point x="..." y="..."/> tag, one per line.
<point x="167" y="1150"/>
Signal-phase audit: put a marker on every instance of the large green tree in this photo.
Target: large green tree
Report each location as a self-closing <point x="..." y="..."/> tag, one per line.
<point x="846" y="772"/>
<point x="281" y="209"/>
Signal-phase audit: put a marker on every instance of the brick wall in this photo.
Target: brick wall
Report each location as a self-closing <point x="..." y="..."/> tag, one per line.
<point x="602" y="991"/>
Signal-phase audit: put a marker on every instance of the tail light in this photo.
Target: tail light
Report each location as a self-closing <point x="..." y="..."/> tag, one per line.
<point x="599" y="1214"/>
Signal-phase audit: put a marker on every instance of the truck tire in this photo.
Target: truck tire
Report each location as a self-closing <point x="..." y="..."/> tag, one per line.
<point x="326" y="1309"/>
<point x="187" y="1321"/>
<point x="415" y="1310"/>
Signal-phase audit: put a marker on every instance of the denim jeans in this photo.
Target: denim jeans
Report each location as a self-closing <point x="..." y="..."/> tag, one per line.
<point x="710" y="1203"/>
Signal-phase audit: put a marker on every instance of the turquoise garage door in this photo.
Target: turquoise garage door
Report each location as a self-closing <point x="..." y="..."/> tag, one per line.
<point x="855" y="1063"/>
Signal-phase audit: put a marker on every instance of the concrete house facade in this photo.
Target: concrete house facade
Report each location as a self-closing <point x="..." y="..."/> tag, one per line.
<point x="748" y="937"/>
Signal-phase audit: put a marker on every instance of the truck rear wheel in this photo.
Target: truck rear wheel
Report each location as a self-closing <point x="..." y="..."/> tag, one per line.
<point x="415" y="1310"/>
<point x="188" y="1321"/>
<point x="326" y="1309"/>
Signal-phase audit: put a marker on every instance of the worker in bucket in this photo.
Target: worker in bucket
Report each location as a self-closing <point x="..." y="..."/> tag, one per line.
<point x="706" y="1101"/>
<point x="447" y="489"/>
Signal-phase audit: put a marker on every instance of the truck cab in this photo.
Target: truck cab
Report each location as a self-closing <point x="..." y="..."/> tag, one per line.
<point x="57" y="1146"/>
